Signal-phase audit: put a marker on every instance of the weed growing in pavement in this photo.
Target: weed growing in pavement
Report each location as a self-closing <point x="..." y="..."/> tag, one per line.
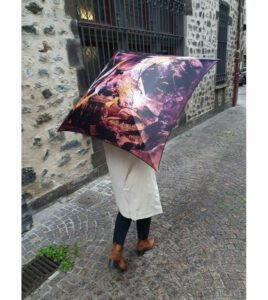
<point x="60" y="253"/>
<point x="224" y="132"/>
<point x="233" y="212"/>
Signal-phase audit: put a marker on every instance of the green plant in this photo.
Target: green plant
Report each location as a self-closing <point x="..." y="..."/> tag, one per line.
<point x="60" y="253"/>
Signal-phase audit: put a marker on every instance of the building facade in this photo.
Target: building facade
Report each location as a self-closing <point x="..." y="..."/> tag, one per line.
<point x="65" y="43"/>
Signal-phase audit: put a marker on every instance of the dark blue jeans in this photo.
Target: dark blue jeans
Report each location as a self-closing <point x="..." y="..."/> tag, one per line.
<point x="122" y="225"/>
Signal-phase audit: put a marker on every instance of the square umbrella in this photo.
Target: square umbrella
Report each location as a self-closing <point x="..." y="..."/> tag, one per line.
<point x="135" y="101"/>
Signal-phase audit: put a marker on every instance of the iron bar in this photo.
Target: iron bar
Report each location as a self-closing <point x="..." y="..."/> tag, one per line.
<point x="94" y="15"/>
<point x="98" y="11"/>
<point x="91" y="52"/>
<point x="97" y="50"/>
<point x="85" y="54"/>
<point x="105" y="19"/>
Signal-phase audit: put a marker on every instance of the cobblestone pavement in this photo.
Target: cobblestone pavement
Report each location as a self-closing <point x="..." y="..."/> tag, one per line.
<point x="200" y="238"/>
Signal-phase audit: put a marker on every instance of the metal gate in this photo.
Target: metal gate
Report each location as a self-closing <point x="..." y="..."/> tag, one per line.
<point x="106" y="26"/>
<point x="222" y="43"/>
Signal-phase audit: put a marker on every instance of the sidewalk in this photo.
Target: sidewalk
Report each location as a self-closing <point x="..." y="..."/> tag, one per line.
<point x="200" y="239"/>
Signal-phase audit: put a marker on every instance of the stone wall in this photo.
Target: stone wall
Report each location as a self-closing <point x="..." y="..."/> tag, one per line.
<point x="201" y="31"/>
<point x="55" y="164"/>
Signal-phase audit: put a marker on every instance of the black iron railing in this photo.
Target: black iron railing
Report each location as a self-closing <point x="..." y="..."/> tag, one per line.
<point x="106" y="26"/>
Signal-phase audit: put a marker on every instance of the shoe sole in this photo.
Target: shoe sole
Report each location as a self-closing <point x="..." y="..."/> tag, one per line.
<point x="141" y="252"/>
<point x="114" y="265"/>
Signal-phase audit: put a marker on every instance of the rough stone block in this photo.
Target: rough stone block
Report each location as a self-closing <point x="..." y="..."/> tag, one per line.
<point x="55" y="136"/>
<point x="45" y="155"/>
<point x="28" y="175"/>
<point x="82" y="81"/>
<point x="69" y="145"/>
<point x="29" y="29"/>
<point x="43" y="73"/>
<point x="74" y="28"/>
<point x="43" y="118"/>
<point x="98" y="158"/>
<point x="34" y="8"/>
<point x="73" y="47"/>
<point x="46" y="93"/>
<point x="49" y="30"/>
<point x="97" y="144"/>
<point x="64" y="160"/>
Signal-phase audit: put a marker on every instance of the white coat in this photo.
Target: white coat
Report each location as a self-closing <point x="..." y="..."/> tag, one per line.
<point x="134" y="184"/>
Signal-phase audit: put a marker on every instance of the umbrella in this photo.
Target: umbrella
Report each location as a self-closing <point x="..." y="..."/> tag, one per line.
<point x="135" y="101"/>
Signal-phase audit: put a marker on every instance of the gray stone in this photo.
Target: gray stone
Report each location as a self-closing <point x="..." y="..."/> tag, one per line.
<point x="34" y="8"/>
<point x="43" y="58"/>
<point x="74" y="28"/>
<point x="83" y="151"/>
<point x="37" y="141"/>
<point x="188" y="8"/>
<point x="44" y="172"/>
<point x="49" y="30"/>
<point x="46" y="93"/>
<point x="98" y="158"/>
<point x="57" y="58"/>
<point x="70" y="8"/>
<point x="28" y="175"/>
<point x="63" y="160"/>
<point x="29" y="29"/>
<point x="46" y="154"/>
<point x="59" y="70"/>
<point x="27" y="196"/>
<point x="57" y="101"/>
<point x="46" y="183"/>
<point x="40" y="108"/>
<point x="82" y="81"/>
<point x="69" y="145"/>
<point x="208" y="23"/>
<point x="62" y="87"/>
<point x="74" y="53"/>
<point x="43" y="73"/>
<point x="55" y="136"/>
<point x="28" y="73"/>
<point x="43" y="118"/>
<point x="37" y="85"/>
<point x="25" y="109"/>
<point x="81" y="164"/>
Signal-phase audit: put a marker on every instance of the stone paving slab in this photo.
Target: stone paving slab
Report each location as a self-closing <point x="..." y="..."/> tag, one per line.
<point x="200" y="239"/>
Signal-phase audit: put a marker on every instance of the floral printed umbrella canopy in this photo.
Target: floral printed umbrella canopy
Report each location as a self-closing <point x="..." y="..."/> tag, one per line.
<point x="136" y="100"/>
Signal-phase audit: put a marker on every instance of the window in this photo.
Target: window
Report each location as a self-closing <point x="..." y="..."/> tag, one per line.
<point x="222" y="43"/>
<point x="106" y="26"/>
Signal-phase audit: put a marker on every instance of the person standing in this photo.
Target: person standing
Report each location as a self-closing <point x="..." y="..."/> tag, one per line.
<point x="137" y="198"/>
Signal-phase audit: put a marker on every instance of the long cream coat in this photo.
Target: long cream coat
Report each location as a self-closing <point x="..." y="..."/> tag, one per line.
<point x="134" y="184"/>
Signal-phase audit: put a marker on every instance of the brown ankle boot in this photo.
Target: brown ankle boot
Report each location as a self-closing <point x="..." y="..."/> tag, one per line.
<point x="116" y="260"/>
<point x="144" y="245"/>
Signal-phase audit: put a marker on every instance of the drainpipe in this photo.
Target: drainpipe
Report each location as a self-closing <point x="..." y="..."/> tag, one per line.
<point x="237" y="54"/>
